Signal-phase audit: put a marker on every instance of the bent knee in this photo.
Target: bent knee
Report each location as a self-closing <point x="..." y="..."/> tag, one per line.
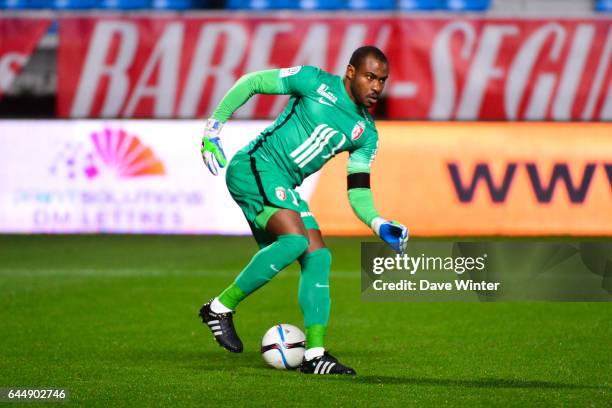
<point x="295" y="245"/>
<point x="321" y="257"/>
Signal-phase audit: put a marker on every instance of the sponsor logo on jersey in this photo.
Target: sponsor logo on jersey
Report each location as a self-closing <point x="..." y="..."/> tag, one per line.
<point x="324" y="102"/>
<point x="280" y="193"/>
<point x="314" y="144"/>
<point x="325" y="94"/>
<point x="285" y="72"/>
<point x="358" y="130"/>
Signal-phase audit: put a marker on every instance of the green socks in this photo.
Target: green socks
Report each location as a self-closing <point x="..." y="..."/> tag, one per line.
<point x="313" y="292"/>
<point x="315" y="336"/>
<point x="264" y="265"/>
<point x="313" y="295"/>
<point x="231" y="296"/>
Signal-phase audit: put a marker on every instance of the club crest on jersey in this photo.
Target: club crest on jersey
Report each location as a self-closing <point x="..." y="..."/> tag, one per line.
<point x="358" y="130"/>
<point x="280" y="193"/>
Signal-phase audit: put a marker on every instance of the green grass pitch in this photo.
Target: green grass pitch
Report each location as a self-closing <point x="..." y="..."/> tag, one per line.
<point x="113" y="319"/>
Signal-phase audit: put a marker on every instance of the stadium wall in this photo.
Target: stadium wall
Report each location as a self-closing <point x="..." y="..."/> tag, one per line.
<point x="441" y="179"/>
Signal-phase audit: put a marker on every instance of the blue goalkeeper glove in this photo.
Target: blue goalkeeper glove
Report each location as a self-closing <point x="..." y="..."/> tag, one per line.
<point x="211" y="149"/>
<point x="392" y="232"/>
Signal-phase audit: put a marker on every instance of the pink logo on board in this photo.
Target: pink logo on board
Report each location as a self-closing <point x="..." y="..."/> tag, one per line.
<point x="111" y="150"/>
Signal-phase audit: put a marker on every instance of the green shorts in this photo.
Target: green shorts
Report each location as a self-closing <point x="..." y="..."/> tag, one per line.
<point x="256" y="187"/>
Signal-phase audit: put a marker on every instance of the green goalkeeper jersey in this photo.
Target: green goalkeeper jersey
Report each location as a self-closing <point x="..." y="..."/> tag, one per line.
<point x="319" y="122"/>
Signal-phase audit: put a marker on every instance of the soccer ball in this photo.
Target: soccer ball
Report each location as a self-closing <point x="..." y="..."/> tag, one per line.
<point x="283" y="346"/>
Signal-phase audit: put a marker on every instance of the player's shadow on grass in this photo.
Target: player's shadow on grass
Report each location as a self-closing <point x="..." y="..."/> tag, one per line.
<point x="220" y="360"/>
<point x="202" y="360"/>
<point x="476" y="383"/>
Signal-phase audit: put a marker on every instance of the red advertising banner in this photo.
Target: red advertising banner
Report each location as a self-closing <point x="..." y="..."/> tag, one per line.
<point x="18" y="37"/>
<point x="503" y="69"/>
<point x="441" y="68"/>
<point x="170" y="67"/>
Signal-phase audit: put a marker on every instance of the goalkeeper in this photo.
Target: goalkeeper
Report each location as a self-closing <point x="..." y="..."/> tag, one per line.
<point x="326" y="115"/>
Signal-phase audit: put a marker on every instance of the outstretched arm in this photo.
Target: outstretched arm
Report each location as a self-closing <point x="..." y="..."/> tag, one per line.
<point x="286" y="81"/>
<point x="260" y="82"/>
<point x="362" y="202"/>
<point x="360" y="198"/>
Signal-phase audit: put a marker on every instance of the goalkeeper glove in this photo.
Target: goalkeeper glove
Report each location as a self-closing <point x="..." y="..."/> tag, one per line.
<point x="392" y="232"/>
<point x="211" y="149"/>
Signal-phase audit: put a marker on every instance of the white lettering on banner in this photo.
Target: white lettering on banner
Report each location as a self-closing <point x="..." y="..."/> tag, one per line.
<point x="10" y="64"/>
<point x="483" y="68"/>
<point x="477" y="68"/>
<point x="354" y="36"/>
<point x="313" y="51"/>
<point x="259" y="58"/>
<point x="606" y="112"/>
<point x="523" y="66"/>
<point x="602" y="69"/>
<point x="95" y="68"/>
<point x="443" y="69"/>
<point x="202" y="67"/>
<point x="574" y="69"/>
<point x="517" y="83"/>
<point x="166" y="56"/>
<point x="382" y="39"/>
